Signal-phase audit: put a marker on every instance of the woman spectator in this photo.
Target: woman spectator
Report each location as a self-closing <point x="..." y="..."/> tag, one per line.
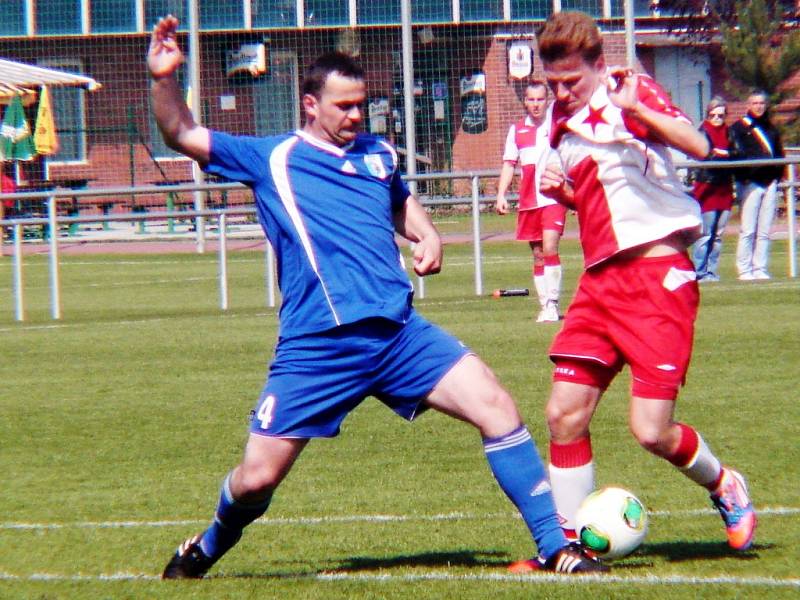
<point x="713" y="189"/>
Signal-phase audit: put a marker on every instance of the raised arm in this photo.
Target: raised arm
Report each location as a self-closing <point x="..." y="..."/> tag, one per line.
<point x="677" y="133"/>
<point x="414" y="224"/>
<point x="174" y="118"/>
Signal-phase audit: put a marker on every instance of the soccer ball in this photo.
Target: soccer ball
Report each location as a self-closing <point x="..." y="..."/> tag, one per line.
<point x="611" y="522"/>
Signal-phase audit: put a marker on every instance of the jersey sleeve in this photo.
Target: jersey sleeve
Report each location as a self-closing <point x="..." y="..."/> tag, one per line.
<point x="398" y="191"/>
<point x="658" y="99"/>
<point x="511" y="152"/>
<point x="238" y="158"/>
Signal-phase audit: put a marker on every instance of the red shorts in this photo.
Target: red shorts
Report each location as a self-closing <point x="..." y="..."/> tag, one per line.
<point x="637" y="311"/>
<point x="531" y="223"/>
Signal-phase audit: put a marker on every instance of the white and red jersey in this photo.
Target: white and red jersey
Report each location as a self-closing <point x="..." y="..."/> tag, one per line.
<point x="626" y="190"/>
<point x="529" y="145"/>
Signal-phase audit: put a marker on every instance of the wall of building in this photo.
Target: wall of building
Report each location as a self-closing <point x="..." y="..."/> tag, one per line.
<point x="119" y="126"/>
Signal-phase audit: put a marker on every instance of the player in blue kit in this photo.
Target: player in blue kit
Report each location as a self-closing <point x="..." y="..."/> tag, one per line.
<point x="330" y="201"/>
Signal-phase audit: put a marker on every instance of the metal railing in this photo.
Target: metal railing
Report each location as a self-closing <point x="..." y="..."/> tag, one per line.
<point x="53" y="221"/>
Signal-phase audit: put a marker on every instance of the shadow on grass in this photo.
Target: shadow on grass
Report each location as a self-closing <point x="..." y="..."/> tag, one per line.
<point x="644" y="558"/>
<point x="462" y="558"/>
<point x="676" y="552"/>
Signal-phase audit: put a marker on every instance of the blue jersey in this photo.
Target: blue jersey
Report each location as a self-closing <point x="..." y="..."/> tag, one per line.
<point x="328" y="213"/>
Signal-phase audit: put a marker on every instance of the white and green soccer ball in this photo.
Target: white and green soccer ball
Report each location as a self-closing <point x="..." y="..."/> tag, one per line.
<point x="611" y="522"/>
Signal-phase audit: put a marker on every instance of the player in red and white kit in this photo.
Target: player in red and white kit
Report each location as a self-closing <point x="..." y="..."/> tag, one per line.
<point x="540" y="220"/>
<point x="637" y="300"/>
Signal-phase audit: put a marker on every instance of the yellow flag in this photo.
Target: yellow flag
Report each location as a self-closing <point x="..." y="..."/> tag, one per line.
<point x="45" y="138"/>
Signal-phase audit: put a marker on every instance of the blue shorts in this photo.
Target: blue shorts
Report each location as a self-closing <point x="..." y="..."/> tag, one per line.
<point x="316" y="380"/>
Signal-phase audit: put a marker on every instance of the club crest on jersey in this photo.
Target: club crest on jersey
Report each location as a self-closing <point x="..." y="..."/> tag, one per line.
<point x="375" y="165"/>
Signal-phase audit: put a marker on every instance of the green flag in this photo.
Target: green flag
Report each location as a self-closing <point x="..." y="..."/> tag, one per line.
<point x="15" y="136"/>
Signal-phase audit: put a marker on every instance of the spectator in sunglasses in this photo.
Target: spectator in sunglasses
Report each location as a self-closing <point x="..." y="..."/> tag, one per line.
<point x="713" y="190"/>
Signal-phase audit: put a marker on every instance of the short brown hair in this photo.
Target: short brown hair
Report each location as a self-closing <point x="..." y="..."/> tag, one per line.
<point x="330" y="62"/>
<point x="536" y="83"/>
<point x="566" y="33"/>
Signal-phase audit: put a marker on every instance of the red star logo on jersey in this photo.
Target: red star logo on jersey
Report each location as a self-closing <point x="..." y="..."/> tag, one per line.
<point x="595" y="117"/>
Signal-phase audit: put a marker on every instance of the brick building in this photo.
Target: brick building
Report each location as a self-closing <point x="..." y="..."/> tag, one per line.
<point x="108" y="138"/>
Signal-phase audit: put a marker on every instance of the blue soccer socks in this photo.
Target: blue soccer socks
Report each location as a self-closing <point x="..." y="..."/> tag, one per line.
<point x="518" y="468"/>
<point x="229" y="521"/>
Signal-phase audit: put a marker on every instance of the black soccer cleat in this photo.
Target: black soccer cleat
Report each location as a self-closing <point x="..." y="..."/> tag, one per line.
<point x="573" y="558"/>
<point x="189" y="562"/>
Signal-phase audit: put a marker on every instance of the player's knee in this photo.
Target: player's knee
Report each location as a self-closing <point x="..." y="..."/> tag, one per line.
<point x="652" y="437"/>
<point x="500" y="403"/>
<point x="565" y="423"/>
<point x="554" y="415"/>
<point x="562" y="424"/>
<point x="497" y="414"/>
<point x="257" y="478"/>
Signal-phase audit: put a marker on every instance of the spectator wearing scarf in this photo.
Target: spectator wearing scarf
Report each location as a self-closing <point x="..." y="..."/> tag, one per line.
<point x="755" y="137"/>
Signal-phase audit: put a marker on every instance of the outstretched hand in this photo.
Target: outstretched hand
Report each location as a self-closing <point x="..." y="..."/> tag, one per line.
<point x="164" y="56"/>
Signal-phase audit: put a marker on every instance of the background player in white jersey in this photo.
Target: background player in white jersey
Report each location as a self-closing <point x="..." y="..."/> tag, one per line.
<point x="330" y="201"/>
<point x="636" y="302"/>
<point x="540" y="220"/>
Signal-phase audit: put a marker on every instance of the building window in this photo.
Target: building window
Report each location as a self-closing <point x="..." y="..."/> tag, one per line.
<point x="113" y="15"/>
<point x="641" y="8"/>
<point x="221" y="14"/>
<point x="379" y="12"/>
<point x="481" y="10"/>
<point x="432" y="11"/>
<point x="274" y="13"/>
<point x="157" y="144"/>
<point x="155" y="9"/>
<point x="58" y="16"/>
<point x="13" y="21"/>
<point x="275" y="101"/>
<point x="327" y="12"/>
<point x="590" y="7"/>
<point x="69" y="114"/>
<point x="387" y="12"/>
<point x="531" y="9"/>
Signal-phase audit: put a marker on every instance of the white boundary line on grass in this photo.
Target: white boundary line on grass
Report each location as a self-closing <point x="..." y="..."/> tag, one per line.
<point x="537" y="578"/>
<point x="324" y="520"/>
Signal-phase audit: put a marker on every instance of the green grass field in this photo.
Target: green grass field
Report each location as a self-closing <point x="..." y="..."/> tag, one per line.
<point x="119" y="422"/>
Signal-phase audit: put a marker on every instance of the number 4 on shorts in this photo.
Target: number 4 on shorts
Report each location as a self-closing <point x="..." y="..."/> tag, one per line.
<point x="266" y="410"/>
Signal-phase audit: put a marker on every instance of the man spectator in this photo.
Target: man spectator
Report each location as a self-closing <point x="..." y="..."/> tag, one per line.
<point x="755" y="137"/>
<point x="540" y="220"/>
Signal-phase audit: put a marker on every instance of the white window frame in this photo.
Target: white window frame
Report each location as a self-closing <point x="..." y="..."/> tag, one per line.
<point x="353" y="10"/>
<point x="73" y="65"/>
<point x="30" y="20"/>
